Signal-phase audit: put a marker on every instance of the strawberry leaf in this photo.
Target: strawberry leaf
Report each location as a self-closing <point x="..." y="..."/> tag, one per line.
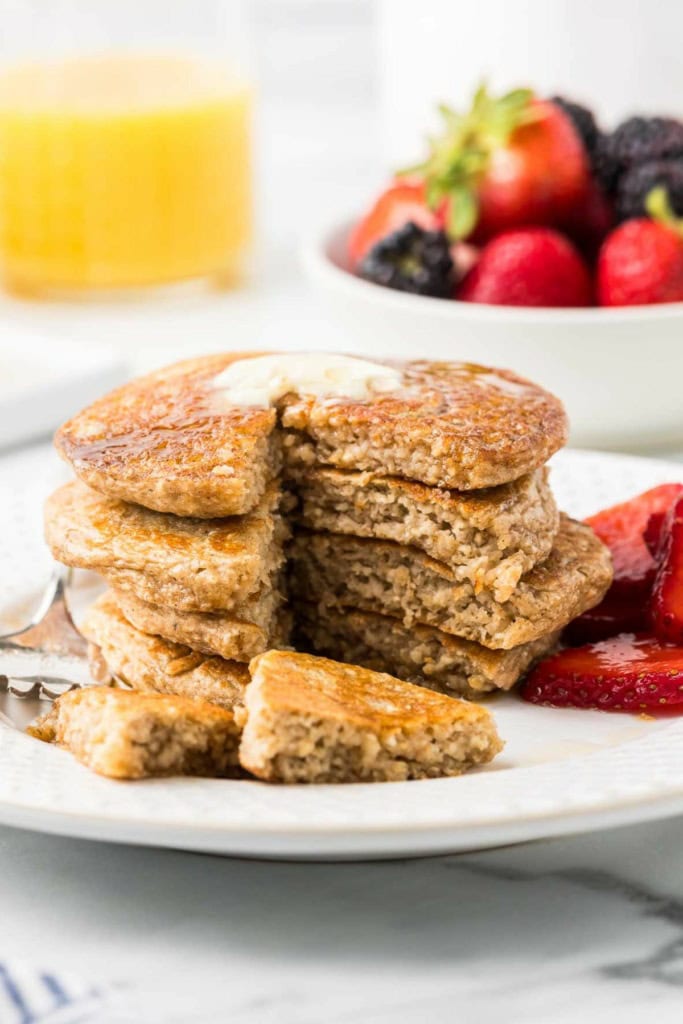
<point x="459" y="157"/>
<point x="463" y="212"/>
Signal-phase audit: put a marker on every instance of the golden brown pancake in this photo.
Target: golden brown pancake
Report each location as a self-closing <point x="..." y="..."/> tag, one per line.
<point x="170" y="442"/>
<point x="315" y="720"/>
<point x="187" y="564"/>
<point x="394" y="579"/>
<point x="128" y="735"/>
<point x="151" y="664"/>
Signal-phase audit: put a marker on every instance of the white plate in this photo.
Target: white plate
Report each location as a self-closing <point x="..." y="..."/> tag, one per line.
<point x="561" y="771"/>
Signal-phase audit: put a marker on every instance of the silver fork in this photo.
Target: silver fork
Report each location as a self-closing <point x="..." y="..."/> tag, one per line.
<point x="45" y="659"/>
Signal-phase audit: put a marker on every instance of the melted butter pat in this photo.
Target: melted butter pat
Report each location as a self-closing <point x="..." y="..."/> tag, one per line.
<point x="265" y="379"/>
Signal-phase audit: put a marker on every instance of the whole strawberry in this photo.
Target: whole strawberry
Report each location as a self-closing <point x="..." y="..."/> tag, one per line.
<point x="641" y="262"/>
<point x="529" y="267"/>
<point x="508" y="162"/>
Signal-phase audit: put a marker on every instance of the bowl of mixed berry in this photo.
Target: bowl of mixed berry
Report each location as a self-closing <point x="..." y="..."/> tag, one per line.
<point x="528" y="235"/>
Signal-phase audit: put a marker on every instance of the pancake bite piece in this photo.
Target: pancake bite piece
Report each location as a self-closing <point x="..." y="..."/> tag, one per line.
<point x="314" y="720"/>
<point x="126" y="735"/>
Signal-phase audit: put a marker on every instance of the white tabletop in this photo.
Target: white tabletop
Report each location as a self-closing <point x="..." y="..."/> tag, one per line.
<point x="587" y="928"/>
<point x="536" y="933"/>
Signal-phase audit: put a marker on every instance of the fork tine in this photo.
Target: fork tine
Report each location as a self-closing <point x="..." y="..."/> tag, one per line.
<point x="52" y="628"/>
<point x="54" y="590"/>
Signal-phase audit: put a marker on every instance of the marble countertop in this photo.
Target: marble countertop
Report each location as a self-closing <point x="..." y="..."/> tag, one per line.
<point x="584" y="928"/>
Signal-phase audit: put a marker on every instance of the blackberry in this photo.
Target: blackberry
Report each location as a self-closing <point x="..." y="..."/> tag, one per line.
<point x="640" y="140"/>
<point x="583" y="120"/>
<point x="636" y="183"/>
<point x="411" y="260"/>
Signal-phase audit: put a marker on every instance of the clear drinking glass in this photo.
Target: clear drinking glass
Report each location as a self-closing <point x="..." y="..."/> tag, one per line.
<point x="124" y="143"/>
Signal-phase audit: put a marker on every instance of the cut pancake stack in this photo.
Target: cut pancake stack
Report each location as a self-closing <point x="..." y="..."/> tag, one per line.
<point x="208" y="585"/>
<point x="426" y="541"/>
<point x="463" y="591"/>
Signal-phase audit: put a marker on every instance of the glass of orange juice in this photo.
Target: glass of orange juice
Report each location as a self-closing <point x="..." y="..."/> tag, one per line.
<point x="124" y="144"/>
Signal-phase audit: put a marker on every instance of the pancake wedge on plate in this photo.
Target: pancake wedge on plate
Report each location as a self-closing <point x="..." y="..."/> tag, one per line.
<point x="315" y="720"/>
<point x="372" y="575"/>
<point x="150" y="663"/>
<point x="172" y="441"/>
<point x="164" y="441"/>
<point x="186" y="564"/>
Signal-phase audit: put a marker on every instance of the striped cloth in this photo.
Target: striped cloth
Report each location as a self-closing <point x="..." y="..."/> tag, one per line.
<point x="32" y="996"/>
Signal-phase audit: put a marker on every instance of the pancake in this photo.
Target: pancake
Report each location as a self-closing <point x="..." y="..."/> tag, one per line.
<point x="185" y="564"/>
<point x="150" y="664"/>
<point x="420" y="654"/>
<point x="170" y="442"/>
<point x="165" y="442"/>
<point x="221" y="633"/>
<point x="453" y="425"/>
<point x="318" y="721"/>
<point x="490" y="537"/>
<point x="126" y="735"/>
<point x="381" y="576"/>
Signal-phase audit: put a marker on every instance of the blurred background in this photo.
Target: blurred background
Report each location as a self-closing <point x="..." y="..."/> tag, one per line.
<point x="281" y="121"/>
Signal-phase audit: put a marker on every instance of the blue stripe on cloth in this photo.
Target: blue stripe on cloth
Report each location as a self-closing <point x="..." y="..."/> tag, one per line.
<point x="29" y="996"/>
<point x="15" y="1000"/>
<point x="55" y="989"/>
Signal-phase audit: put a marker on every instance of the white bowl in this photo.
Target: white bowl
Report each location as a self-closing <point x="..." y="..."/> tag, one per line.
<point x="618" y="371"/>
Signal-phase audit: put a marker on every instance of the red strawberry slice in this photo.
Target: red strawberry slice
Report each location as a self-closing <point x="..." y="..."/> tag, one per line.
<point x="667" y="594"/>
<point x="404" y="201"/>
<point x="625" y="673"/>
<point x="621" y="528"/>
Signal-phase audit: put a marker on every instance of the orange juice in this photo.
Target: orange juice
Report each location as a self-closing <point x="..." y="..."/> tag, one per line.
<point x="122" y="171"/>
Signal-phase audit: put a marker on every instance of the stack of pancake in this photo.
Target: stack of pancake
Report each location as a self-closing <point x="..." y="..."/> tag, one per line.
<point x="426" y="541"/>
<point x="182" y="589"/>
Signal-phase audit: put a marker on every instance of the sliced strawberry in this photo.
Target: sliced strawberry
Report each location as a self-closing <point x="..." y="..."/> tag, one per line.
<point x="625" y="673"/>
<point x="653" y="534"/>
<point x="402" y="202"/>
<point x="622" y="528"/>
<point x="667" y="594"/>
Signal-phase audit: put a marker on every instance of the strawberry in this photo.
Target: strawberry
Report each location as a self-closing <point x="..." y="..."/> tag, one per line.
<point x="402" y="202"/>
<point x="621" y="528"/>
<point x="653" y="534"/>
<point x="625" y="673"/>
<point x="667" y="593"/>
<point x="508" y="162"/>
<point x="641" y="262"/>
<point x="528" y="267"/>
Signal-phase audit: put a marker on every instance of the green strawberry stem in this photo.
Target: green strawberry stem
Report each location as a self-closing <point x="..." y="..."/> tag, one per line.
<point x="459" y="158"/>
<point x="659" y="208"/>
